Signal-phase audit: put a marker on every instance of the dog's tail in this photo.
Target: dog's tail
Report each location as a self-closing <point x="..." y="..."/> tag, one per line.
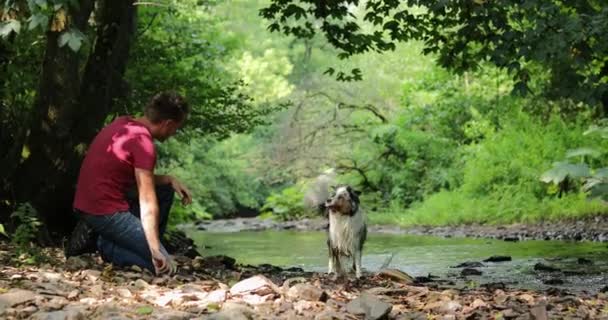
<point x="318" y="190"/>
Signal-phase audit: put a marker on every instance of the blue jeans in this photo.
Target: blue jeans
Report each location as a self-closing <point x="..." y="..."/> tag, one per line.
<point x="122" y="241"/>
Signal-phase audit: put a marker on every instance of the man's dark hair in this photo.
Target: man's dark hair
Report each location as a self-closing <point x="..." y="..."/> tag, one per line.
<point x="167" y="106"/>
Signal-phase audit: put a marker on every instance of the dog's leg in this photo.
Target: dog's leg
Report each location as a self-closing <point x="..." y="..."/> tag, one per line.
<point x="357" y="263"/>
<point x="359" y="251"/>
<point x="331" y="268"/>
<point x="337" y="262"/>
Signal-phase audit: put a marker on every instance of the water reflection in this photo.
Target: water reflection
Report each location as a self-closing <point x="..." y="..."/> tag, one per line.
<point x="421" y="255"/>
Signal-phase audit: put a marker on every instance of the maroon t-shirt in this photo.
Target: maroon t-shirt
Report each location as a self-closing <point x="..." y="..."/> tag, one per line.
<point x="108" y="169"/>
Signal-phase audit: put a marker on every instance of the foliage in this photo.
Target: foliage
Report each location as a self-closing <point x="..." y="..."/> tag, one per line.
<point x="589" y="173"/>
<point x="287" y="204"/>
<point x="215" y="173"/>
<point x="24" y="237"/>
<point x="500" y="178"/>
<point x="564" y="38"/>
<point x="183" y="49"/>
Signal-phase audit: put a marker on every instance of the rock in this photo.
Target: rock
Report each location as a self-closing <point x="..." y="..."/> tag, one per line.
<point x="75" y="264"/>
<point x="543" y="267"/>
<point x="470" y="272"/>
<point x="217" y="296"/>
<point x="140" y="284"/>
<point x="469" y="264"/>
<point x="73" y="294"/>
<point x="444" y="307"/>
<point x="329" y="315"/>
<point x="254" y="299"/>
<point x="528" y="298"/>
<point x="56" y="303"/>
<point x="233" y="311"/>
<point x="478" y="303"/>
<point x="71" y="314"/>
<point x="413" y="316"/>
<point x="97" y="290"/>
<point x="173" y="315"/>
<point x="259" y="285"/>
<point x="214" y="262"/>
<point x="123" y="292"/>
<point x="91" y="275"/>
<point x="539" y="312"/>
<point x="509" y="313"/>
<point x="553" y="281"/>
<point x="370" y="306"/>
<point x="584" y="261"/>
<point x="396" y="274"/>
<point x="15" y="297"/>
<point x="305" y="291"/>
<point x="498" y="259"/>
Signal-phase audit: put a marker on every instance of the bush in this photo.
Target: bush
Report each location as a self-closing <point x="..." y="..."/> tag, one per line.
<point x="287" y="204"/>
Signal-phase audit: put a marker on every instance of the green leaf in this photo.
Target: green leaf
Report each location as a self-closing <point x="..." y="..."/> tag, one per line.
<point x="601" y="173"/>
<point x="38" y="20"/>
<point x="41" y="3"/>
<point x="2" y="231"/>
<point x="582" y="152"/>
<point x="8" y="27"/>
<point x="73" y="38"/>
<point x="145" y="310"/>
<point x="561" y="170"/>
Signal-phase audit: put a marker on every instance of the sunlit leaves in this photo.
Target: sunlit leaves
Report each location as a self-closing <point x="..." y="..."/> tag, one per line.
<point x="582" y="152"/>
<point x="561" y="37"/>
<point x="38" y="20"/>
<point x="8" y="27"/>
<point x="73" y="38"/>
<point x="562" y="170"/>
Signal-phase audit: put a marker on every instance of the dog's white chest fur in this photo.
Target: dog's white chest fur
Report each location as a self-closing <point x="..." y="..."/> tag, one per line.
<point x="344" y="231"/>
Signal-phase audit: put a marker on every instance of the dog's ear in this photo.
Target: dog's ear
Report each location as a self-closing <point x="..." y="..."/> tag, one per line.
<point x="354" y="194"/>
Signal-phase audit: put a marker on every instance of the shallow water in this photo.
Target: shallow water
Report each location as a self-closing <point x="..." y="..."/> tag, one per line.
<point x="423" y="255"/>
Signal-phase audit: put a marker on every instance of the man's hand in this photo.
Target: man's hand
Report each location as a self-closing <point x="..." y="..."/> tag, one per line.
<point x="163" y="263"/>
<point x="182" y="190"/>
<point x="160" y="262"/>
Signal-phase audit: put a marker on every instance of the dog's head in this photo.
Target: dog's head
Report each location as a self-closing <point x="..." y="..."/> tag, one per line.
<point x="345" y="200"/>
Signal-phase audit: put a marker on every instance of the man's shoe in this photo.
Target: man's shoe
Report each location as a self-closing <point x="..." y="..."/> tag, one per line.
<point x="83" y="240"/>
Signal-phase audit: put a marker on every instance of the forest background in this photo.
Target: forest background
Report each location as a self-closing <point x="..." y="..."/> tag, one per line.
<point x="494" y="116"/>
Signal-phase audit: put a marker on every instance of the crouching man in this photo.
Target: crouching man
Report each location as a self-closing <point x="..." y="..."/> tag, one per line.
<point x="123" y="156"/>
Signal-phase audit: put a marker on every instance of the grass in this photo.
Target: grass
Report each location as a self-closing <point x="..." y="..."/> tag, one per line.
<point x="450" y="208"/>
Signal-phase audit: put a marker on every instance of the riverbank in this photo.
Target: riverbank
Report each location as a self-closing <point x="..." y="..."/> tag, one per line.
<point x="593" y="228"/>
<point x="219" y="288"/>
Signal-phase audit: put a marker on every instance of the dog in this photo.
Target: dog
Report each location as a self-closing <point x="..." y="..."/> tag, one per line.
<point x="347" y="230"/>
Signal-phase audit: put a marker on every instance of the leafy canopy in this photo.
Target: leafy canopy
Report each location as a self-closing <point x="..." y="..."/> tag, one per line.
<point x="564" y="38"/>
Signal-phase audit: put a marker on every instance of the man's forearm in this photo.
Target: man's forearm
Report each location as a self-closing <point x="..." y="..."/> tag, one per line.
<point x="149" y="221"/>
<point x="160" y="179"/>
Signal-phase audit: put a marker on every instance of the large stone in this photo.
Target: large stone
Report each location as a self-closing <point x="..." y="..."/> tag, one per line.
<point x="369" y="306"/>
<point x="173" y="315"/>
<point x="539" y="312"/>
<point x="232" y="311"/>
<point x="259" y="285"/>
<point x="73" y="314"/>
<point x="305" y="291"/>
<point x="15" y="297"/>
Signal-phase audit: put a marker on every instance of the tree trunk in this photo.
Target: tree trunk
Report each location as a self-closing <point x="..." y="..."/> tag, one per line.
<point x="68" y="111"/>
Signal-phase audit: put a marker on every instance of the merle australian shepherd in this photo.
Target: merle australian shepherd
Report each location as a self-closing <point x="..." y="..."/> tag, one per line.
<point x="347" y="230"/>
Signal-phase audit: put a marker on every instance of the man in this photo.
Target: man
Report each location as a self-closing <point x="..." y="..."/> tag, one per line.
<point x="123" y="156"/>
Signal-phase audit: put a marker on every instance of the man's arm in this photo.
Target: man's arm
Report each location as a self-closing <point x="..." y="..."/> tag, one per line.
<point x="177" y="185"/>
<point x="149" y="215"/>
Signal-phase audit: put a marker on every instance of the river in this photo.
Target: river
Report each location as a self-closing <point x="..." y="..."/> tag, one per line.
<point x="581" y="265"/>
